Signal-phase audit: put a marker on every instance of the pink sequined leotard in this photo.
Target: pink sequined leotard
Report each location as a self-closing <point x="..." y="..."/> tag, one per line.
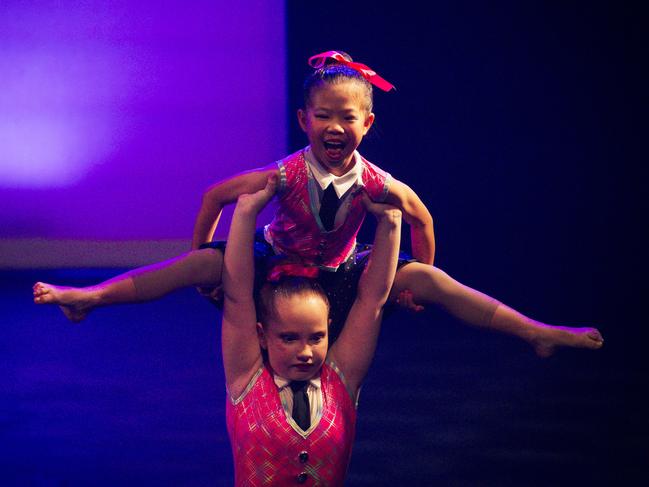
<point x="296" y="228"/>
<point x="270" y="449"/>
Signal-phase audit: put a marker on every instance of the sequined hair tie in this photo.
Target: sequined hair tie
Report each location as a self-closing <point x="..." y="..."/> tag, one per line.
<point x="292" y="270"/>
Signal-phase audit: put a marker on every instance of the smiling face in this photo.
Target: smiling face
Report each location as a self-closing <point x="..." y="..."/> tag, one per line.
<point x="335" y="121"/>
<point x="295" y="337"/>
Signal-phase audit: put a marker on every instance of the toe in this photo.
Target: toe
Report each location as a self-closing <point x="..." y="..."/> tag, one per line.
<point x="595" y="335"/>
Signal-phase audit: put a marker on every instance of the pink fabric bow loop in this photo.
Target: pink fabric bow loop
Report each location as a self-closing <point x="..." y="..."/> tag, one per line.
<point x="366" y="72"/>
<point x="292" y="270"/>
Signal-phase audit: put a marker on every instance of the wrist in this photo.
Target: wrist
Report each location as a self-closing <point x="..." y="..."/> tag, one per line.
<point x="246" y="207"/>
<point x="390" y="217"/>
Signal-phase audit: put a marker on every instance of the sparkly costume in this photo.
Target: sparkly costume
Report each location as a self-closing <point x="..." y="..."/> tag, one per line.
<point x="270" y="449"/>
<point x="297" y="229"/>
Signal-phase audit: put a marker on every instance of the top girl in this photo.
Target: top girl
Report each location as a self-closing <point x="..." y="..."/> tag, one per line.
<point x="336" y="115"/>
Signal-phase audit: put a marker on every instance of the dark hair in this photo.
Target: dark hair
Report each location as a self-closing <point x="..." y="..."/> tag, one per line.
<point x="284" y="288"/>
<point x="334" y="72"/>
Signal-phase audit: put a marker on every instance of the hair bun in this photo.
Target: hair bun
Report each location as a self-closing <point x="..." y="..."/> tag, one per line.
<point x="332" y="60"/>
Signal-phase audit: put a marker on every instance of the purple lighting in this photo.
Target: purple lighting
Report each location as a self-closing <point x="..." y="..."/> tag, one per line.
<point x="117" y="115"/>
<point x="59" y="87"/>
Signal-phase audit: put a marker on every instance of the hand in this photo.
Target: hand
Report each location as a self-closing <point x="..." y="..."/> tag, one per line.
<point x="406" y="300"/>
<point x="256" y="202"/>
<point x="213" y="293"/>
<point x="379" y="210"/>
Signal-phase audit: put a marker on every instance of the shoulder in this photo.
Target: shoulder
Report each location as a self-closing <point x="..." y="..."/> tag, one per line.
<point x="290" y="169"/>
<point x="401" y="191"/>
<point x="377" y="182"/>
<point x="252" y="178"/>
<point x="333" y="376"/>
<point x="405" y="198"/>
<point x="292" y="160"/>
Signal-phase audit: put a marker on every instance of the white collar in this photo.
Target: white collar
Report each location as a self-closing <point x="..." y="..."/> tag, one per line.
<point x="281" y="382"/>
<point x="341" y="183"/>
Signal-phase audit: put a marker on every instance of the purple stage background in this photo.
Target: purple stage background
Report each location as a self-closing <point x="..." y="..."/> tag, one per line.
<point x="115" y="116"/>
<point x="516" y="123"/>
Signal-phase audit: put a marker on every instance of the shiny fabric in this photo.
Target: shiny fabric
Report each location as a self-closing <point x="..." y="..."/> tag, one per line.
<point x="297" y="230"/>
<point x="319" y="60"/>
<point x="270" y="449"/>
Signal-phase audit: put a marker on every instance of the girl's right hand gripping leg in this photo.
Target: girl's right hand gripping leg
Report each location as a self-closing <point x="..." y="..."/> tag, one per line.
<point x="257" y="201"/>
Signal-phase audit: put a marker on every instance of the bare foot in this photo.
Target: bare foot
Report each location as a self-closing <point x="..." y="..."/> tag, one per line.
<point x="549" y="338"/>
<point x="75" y="302"/>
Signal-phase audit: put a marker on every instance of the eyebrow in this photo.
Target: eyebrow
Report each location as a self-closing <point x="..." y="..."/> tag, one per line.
<point x="346" y="110"/>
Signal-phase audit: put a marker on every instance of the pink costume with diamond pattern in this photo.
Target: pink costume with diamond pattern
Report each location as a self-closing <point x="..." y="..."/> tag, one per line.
<point x="270" y="449"/>
<point x="296" y="228"/>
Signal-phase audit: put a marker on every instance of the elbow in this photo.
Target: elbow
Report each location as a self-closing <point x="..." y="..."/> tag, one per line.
<point x="208" y="198"/>
<point x="421" y="221"/>
<point x="213" y="195"/>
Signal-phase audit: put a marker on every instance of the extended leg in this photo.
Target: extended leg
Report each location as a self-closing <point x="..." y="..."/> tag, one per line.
<point x="195" y="268"/>
<point x="431" y="285"/>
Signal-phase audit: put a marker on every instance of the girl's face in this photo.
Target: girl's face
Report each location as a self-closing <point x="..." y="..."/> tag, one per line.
<point x="335" y="121"/>
<point x="296" y="338"/>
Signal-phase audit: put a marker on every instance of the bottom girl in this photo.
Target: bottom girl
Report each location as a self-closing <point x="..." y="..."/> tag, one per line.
<point x="278" y="436"/>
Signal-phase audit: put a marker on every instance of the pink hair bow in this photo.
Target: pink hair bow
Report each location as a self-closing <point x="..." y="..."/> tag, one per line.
<point x="292" y="270"/>
<point x="370" y="75"/>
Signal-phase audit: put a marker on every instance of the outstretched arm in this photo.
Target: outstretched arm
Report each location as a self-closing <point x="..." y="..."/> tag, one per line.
<point x="354" y="349"/>
<point x="240" y="346"/>
<point x="415" y="213"/>
<point x="223" y="193"/>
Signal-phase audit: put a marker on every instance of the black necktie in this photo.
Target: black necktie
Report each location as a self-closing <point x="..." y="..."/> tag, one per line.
<point x="301" y="411"/>
<point x="328" y="207"/>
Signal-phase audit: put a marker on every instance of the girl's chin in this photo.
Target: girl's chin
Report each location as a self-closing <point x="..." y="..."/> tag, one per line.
<point x="303" y="373"/>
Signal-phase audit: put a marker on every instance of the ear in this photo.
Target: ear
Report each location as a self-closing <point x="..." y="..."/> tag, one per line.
<point x="369" y="120"/>
<point x="262" y="336"/>
<point x="301" y="119"/>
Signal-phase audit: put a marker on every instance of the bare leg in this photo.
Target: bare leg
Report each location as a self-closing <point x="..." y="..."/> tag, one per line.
<point x="195" y="268"/>
<point x="431" y="285"/>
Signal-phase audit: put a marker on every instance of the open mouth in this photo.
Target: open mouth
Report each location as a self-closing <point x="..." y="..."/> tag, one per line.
<point x="334" y="149"/>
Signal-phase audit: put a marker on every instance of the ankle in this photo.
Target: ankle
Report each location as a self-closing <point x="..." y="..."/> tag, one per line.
<point x="541" y="332"/>
<point x="509" y="321"/>
<point x="95" y="296"/>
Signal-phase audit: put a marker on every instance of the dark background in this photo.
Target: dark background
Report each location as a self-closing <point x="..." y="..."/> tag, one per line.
<point x="519" y="125"/>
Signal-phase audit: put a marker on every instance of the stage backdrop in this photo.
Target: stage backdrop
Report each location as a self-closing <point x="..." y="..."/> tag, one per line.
<point x="114" y="118"/>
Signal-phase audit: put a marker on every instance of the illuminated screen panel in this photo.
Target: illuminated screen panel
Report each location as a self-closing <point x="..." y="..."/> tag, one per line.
<point x="115" y="116"/>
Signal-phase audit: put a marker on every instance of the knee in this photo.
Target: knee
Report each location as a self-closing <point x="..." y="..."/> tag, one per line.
<point x="425" y="281"/>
